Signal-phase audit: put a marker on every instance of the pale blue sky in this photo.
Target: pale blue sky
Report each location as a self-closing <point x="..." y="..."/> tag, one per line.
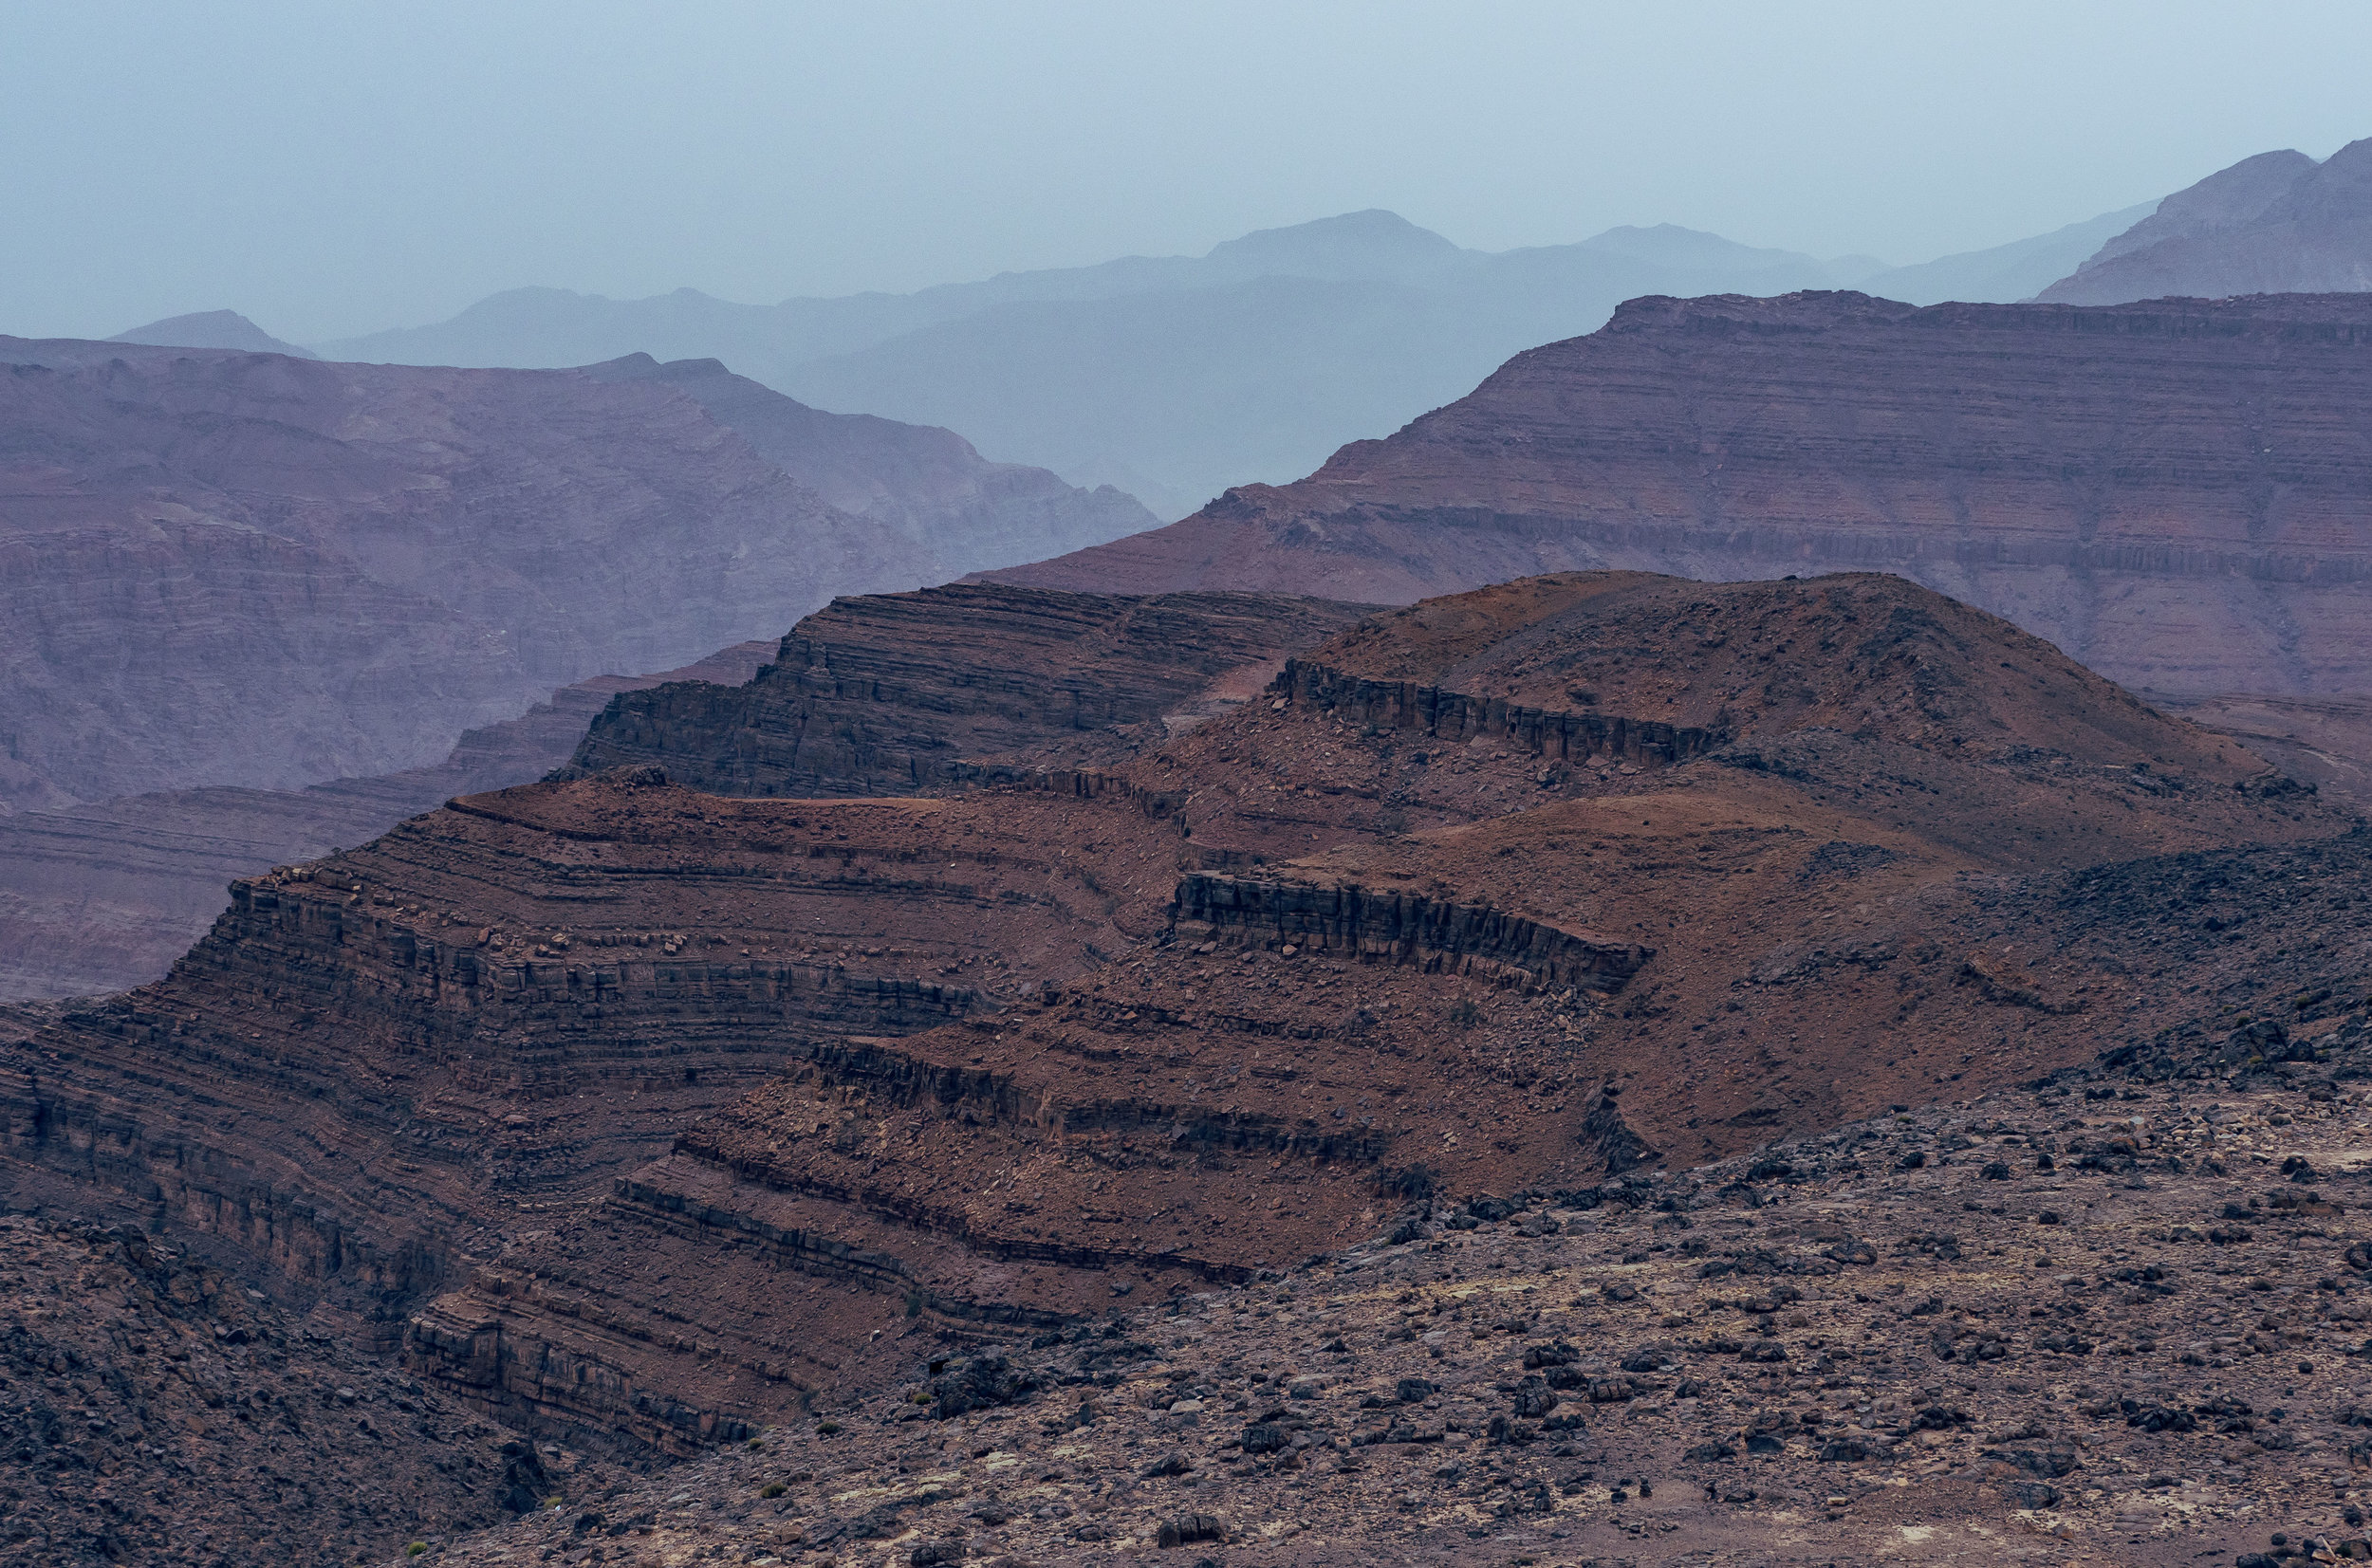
<point x="331" y="169"/>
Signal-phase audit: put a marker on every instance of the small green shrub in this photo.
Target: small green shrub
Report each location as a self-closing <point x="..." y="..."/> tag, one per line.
<point x="773" y="1488"/>
<point x="828" y="1428"/>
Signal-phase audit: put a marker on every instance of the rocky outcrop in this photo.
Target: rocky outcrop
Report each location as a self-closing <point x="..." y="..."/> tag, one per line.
<point x="1401" y="928"/>
<point x="862" y="698"/>
<point x="656" y="1117"/>
<point x="2278" y="223"/>
<point x="1456" y="717"/>
<point x="2165" y="490"/>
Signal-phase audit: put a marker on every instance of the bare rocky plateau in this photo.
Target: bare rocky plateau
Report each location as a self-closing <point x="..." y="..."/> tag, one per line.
<point x="644" y="1121"/>
<point x="2167" y="490"/>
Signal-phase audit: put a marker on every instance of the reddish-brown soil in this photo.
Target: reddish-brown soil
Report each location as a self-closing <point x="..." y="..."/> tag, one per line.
<point x="2167" y="491"/>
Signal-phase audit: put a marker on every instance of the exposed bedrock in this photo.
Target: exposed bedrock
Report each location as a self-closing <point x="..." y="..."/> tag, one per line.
<point x="1401" y="927"/>
<point x="1456" y="717"/>
<point x="2168" y="491"/>
<point x="863" y="698"/>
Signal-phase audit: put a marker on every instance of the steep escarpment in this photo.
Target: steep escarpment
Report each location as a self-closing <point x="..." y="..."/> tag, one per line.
<point x="863" y="698"/>
<point x="652" y="1117"/>
<point x="2164" y="490"/>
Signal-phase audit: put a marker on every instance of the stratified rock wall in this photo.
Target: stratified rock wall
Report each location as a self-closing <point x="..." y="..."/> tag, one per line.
<point x="863" y="698"/>
<point x="1455" y="717"/>
<point x="2171" y="491"/>
<point x="1402" y="928"/>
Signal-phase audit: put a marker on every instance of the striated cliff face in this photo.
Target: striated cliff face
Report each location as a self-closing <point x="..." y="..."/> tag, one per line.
<point x="105" y="896"/>
<point x="2168" y="492"/>
<point x="1472" y="939"/>
<point x="651" y="1116"/>
<point x="894" y="692"/>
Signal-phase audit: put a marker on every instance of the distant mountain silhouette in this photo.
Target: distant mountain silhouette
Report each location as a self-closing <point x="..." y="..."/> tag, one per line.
<point x="1176" y="377"/>
<point x="211" y="329"/>
<point x="928" y="484"/>
<point x="2278" y="223"/>
<point x="2002" y="274"/>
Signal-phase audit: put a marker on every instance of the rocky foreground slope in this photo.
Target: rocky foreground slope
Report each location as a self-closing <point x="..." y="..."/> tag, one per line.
<point x="648" y="1119"/>
<point x="154" y="1410"/>
<point x="2167" y="490"/>
<point x="2119" y="1317"/>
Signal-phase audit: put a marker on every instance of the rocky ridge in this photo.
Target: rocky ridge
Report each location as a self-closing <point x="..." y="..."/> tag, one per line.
<point x="2164" y="490"/>
<point x="992" y="1058"/>
<point x="105" y="896"/>
<point x="863" y="697"/>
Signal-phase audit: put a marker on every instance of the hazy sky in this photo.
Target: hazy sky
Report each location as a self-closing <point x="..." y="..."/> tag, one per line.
<point x="331" y="169"/>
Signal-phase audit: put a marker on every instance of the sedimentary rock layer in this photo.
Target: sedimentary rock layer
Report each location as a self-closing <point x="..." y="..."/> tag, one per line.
<point x="1398" y="927"/>
<point x="864" y="698"/>
<point x="2168" y="491"/>
<point x="649" y="1115"/>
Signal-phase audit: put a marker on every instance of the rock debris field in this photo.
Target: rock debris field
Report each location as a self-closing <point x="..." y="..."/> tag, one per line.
<point x="2094" y="1321"/>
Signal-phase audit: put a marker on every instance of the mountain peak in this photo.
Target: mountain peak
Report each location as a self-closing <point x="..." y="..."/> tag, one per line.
<point x="1370" y="244"/>
<point x="211" y="329"/>
<point x="2278" y="223"/>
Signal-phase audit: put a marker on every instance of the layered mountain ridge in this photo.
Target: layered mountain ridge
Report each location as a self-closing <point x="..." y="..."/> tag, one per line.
<point x="247" y="569"/>
<point x="629" y="1114"/>
<point x="2165" y="490"/>
<point x="1175" y="377"/>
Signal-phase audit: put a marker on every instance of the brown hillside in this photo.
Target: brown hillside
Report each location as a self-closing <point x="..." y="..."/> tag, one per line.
<point x="645" y="1115"/>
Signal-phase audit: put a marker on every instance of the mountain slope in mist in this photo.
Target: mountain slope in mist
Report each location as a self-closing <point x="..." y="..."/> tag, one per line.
<point x="1173" y="377"/>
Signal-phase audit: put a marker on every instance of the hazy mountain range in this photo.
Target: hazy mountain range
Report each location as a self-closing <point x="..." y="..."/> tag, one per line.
<point x="2278" y="223"/>
<point x="1173" y="377"/>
